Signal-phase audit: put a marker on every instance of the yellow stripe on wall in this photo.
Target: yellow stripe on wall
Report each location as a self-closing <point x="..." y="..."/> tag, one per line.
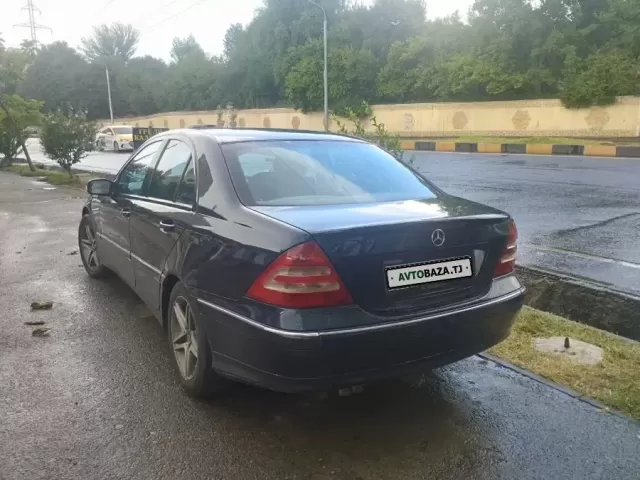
<point x="600" y="150"/>
<point x="445" y="146"/>
<point x="489" y="148"/>
<point x="539" y="149"/>
<point x="407" y="144"/>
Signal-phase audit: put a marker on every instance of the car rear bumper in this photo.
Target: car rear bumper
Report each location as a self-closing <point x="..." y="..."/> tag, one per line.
<point x="291" y="361"/>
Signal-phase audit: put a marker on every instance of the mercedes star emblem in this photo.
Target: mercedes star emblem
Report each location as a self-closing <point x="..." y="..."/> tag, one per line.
<point x="437" y="237"/>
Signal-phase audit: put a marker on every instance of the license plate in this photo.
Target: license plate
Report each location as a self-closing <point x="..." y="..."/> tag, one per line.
<point x="416" y="274"/>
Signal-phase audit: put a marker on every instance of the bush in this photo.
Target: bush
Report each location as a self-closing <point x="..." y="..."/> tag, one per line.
<point x="67" y="138"/>
<point x="606" y="74"/>
<point x="380" y="136"/>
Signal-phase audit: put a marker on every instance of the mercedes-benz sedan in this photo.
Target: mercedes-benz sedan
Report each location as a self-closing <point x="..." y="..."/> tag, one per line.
<point x="300" y="261"/>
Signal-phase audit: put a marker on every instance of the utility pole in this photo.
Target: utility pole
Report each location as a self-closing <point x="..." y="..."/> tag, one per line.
<point x="325" y="80"/>
<point x="106" y="69"/>
<point x="32" y="25"/>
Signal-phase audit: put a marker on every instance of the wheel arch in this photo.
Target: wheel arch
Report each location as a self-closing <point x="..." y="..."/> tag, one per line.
<point x="168" y="283"/>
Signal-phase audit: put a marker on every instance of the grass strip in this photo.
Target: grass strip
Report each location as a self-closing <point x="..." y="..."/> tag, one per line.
<point x="54" y="177"/>
<point x="615" y="382"/>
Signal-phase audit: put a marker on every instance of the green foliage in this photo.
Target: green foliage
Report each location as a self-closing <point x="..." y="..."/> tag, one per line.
<point x="24" y="114"/>
<point x="51" y="176"/>
<point x="59" y="76"/>
<point x="358" y="118"/>
<point x="13" y="67"/>
<point x="67" y="137"/>
<point x="583" y="52"/>
<point x="605" y="75"/>
<point x="351" y="78"/>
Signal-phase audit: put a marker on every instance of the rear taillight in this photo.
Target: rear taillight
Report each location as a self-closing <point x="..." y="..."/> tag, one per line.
<point x="302" y="277"/>
<point x="507" y="262"/>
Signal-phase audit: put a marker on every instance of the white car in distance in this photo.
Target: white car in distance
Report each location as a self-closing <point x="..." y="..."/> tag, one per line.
<point x="115" y="137"/>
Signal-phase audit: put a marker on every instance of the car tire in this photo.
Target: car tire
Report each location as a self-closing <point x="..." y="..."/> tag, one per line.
<point x="99" y="145"/>
<point x="116" y="147"/>
<point x="87" y="243"/>
<point x="183" y="333"/>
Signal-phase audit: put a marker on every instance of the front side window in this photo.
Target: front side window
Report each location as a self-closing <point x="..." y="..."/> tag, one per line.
<point x="131" y="180"/>
<point x="168" y="174"/>
<point x="123" y="130"/>
<point x="320" y="172"/>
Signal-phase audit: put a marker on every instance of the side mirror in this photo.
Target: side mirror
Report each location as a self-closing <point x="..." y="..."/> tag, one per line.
<point x="99" y="186"/>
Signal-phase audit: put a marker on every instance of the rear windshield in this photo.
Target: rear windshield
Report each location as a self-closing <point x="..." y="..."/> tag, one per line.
<point x="290" y="173"/>
<point x="122" y="130"/>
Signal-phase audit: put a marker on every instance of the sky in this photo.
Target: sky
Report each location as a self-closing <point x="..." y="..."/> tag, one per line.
<point x="159" y="21"/>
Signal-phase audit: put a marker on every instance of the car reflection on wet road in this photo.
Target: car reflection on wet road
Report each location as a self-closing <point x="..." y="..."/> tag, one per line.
<point x="97" y="398"/>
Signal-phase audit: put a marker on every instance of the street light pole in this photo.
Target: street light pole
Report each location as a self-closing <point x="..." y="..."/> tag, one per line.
<point x="325" y="73"/>
<point x="106" y="69"/>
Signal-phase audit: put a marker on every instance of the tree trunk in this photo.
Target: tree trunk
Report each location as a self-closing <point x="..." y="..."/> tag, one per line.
<point x="18" y="135"/>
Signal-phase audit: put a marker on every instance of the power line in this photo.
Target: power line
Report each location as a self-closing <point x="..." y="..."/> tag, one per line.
<point x="174" y="15"/>
<point x="146" y="16"/>
<point x="105" y="5"/>
<point x="32" y="25"/>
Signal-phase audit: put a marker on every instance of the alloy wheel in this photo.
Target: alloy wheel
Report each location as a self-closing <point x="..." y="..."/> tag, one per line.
<point x="183" y="338"/>
<point x="89" y="248"/>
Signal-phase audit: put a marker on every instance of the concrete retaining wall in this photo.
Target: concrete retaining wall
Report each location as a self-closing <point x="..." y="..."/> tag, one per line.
<point x="582" y="301"/>
<point x="419" y="120"/>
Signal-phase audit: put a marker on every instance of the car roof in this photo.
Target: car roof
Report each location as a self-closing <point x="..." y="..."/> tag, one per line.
<point x="233" y="135"/>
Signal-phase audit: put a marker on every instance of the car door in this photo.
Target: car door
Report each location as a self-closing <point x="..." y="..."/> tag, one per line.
<point x="114" y="243"/>
<point x="158" y="220"/>
<point x="108" y="138"/>
<point x="101" y="138"/>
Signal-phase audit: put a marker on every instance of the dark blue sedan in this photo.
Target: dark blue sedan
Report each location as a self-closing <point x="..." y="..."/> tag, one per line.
<point x="300" y="261"/>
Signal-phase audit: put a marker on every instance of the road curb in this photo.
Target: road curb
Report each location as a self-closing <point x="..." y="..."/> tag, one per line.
<point x="582" y="301"/>
<point x="523" y="148"/>
<point x="556" y="386"/>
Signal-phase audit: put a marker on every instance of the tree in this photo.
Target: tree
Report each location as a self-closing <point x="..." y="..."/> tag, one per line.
<point x="605" y="75"/>
<point x="351" y="78"/>
<point x="67" y="137"/>
<point x="143" y="85"/>
<point x="111" y="41"/>
<point x="186" y="48"/>
<point x="232" y="39"/>
<point x="16" y="115"/>
<point x="13" y="68"/>
<point x="57" y="76"/>
<point x="384" y="51"/>
<point x="29" y="48"/>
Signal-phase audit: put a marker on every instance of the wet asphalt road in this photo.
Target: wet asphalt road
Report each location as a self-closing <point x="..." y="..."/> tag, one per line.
<point x="575" y="215"/>
<point x="98" y="399"/>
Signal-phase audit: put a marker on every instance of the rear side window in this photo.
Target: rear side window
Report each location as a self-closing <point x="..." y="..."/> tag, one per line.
<point x="289" y="173"/>
<point x="187" y="188"/>
<point x="168" y="174"/>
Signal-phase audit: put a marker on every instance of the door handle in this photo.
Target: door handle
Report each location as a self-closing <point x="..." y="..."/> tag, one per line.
<point x="125" y="212"/>
<point x="167" y="226"/>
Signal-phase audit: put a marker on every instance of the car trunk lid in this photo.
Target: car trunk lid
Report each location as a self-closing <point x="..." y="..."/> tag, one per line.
<point x="364" y="241"/>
